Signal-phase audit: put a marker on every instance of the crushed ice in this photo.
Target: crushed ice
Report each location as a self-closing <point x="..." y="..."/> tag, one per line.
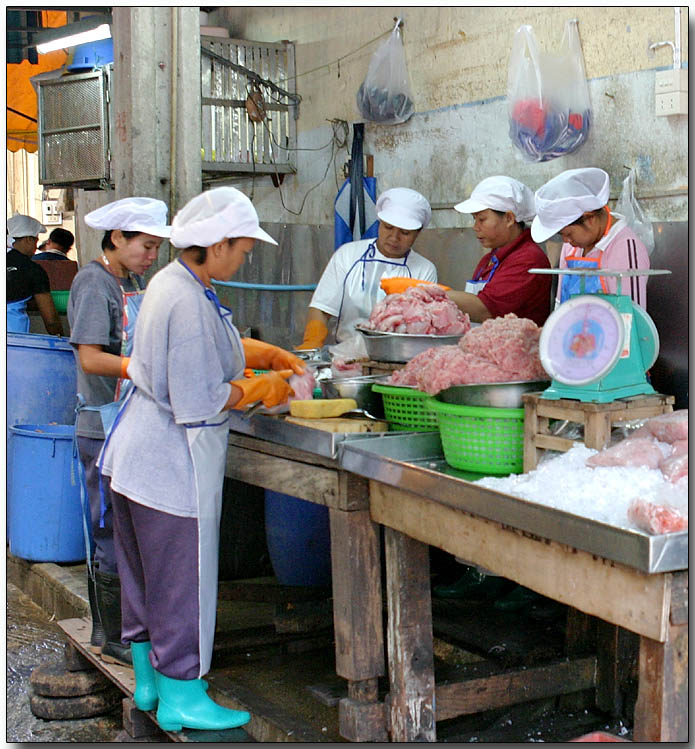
<point x="564" y="482"/>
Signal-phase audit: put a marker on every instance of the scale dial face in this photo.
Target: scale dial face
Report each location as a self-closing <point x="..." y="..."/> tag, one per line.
<point x="582" y="340"/>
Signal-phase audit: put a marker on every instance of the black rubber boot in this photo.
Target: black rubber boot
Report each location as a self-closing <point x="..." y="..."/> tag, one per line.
<point x="96" y="641"/>
<point x="108" y="588"/>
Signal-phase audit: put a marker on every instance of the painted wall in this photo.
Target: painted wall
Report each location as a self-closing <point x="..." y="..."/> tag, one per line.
<point x="458" y="64"/>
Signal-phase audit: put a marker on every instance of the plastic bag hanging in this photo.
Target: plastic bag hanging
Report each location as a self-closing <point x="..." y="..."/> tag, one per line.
<point x="628" y="207"/>
<point x="385" y="94"/>
<point x="548" y="104"/>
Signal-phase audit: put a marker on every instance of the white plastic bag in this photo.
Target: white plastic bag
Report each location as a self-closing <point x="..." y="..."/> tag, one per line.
<point x="628" y="206"/>
<point x="385" y="95"/>
<point x="547" y="96"/>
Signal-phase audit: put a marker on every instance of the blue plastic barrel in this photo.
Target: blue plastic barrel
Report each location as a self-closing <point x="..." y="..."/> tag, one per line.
<point x="41" y="380"/>
<point x="299" y="540"/>
<point x="44" y="510"/>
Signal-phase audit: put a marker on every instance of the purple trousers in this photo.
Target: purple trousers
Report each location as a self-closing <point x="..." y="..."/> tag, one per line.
<point x="157" y="555"/>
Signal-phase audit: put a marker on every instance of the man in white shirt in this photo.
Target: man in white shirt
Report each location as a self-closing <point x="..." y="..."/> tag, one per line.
<point x="350" y="285"/>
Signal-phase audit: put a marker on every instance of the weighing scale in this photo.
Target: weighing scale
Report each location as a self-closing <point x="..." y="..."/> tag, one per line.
<point x="598" y="347"/>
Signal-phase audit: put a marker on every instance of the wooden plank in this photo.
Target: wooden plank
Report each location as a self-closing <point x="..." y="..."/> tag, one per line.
<point x="551" y="442"/>
<point x="617" y="653"/>
<point x="530" y="431"/>
<point x="357" y="602"/>
<point x="679" y="598"/>
<point x="362" y="721"/>
<point x="281" y="451"/>
<point x="508" y="688"/>
<point x="313" y="483"/>
<point x="597" y="430"/>
<point x="340" y="425"/>
<point x="661" y="712"/>
<point x="613" y="592"/>
<point x="411" y="662"/>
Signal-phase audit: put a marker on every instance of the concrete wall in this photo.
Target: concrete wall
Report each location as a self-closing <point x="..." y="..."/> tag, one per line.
<point x="458" y="64"/>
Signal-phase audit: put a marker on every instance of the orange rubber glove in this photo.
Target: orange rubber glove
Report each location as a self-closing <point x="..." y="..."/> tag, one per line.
<point x="399" y="284"/>
<point x="260" y="355"/>
<point x="315" y="334"/>
<point x="271" y="388"/>
<point x="125" y="361"/>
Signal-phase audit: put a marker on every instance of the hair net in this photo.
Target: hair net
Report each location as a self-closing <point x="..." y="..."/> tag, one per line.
<point x="404" y="208"/>
<point x="501" y="194"/>
<point x="566" y="197"/>
<point x="214" y="215"/>
<point x="147" y="215"/>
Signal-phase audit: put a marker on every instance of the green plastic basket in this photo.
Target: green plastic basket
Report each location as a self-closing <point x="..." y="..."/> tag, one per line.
<point x="407" y="409"/>
<point x="483" y="440"/>
<point x="60" y="300"/>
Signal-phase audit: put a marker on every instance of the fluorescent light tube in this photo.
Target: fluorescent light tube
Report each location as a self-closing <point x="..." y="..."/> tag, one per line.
<point x="93" y="35"/>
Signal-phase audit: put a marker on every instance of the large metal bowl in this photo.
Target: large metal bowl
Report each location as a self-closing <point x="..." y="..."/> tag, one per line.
<point x="401" y="347"/>
<point x="359" y="388"/>
<point x="491" y="394"/>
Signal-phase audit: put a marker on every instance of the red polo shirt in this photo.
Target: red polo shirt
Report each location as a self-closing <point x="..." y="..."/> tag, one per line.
<point x="512" y="288"/>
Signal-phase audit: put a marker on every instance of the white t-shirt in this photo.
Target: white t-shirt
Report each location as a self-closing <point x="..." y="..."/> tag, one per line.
<point x="349" y="287"/>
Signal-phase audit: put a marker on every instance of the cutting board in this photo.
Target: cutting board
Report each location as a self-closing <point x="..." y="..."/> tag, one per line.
<point x="338" y="424"/>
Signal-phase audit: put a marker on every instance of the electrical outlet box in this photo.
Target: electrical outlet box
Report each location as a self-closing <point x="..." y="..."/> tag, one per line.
<point x="673" y="103"/>
<point x="669" y="81"/>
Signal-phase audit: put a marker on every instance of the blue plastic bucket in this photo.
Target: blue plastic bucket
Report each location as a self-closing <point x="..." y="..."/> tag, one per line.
<point x="44" y="510"/>
<point x="41" y="380"/>
<point x="299" y="540"/>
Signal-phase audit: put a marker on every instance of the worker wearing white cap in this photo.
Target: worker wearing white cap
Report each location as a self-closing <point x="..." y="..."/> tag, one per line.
<point x="350" y="284"/>
<point x="575" y="205"/>
<point x="166" y="456"/>
<point x="26" y="279"/>
<point x="105" y="297"/>
<point x="501" y="283"/>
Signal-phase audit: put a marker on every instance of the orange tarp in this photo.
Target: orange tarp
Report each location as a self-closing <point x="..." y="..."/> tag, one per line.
<point x="21" y="96"/>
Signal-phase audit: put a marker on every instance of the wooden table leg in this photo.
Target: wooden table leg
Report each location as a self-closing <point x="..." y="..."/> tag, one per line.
<point x="597" y="429"/>
<point x="661" y="712"/>
<point x="530" y="431"/>
<point x="357" y="616"/>
<point x="411" y="661"/>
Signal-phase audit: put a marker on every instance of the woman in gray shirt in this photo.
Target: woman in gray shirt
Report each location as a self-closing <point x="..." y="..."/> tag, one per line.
<point x="166" y="457"/>
<point x="104" y="300"/>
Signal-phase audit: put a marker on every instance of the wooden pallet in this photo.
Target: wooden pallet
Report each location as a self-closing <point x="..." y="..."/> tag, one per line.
<point x="596" y="418"/>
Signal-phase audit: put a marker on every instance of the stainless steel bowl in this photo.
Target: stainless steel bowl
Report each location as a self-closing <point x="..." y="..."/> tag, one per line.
<point x="491" y="394"/>
<point x="359" y="388"/>
<point x="401" y="347"/>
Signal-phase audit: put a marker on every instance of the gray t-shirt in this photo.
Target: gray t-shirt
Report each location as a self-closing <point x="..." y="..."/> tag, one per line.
<point x="182" y="362"/>
<point x="95" y="314"/>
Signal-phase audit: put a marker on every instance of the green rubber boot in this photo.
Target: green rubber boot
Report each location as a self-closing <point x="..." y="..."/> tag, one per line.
<point x="183" y="703"/>
<point x="145" y="695"/>
<point x="518" y="599"/>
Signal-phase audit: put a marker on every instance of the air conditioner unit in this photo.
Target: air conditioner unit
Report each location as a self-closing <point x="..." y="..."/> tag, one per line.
<point x="73" y="130"/>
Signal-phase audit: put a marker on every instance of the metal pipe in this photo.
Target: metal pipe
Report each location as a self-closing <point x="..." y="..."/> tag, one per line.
<point x="265" y="286"/>
<point x="174" y="117"/>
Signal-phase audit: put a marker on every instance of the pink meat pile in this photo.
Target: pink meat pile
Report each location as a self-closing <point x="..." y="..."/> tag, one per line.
<point x="502" y="349"/>
<point x="661" y="443"/>
<point x="423" y="310"/>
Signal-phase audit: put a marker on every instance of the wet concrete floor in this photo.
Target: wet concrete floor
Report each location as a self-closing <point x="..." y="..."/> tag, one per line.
<point x="33" y="640"/>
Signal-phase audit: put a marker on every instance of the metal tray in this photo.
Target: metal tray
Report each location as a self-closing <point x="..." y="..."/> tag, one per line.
<point x="415" y="462"/>
<point x="401" y="347"/>
<point x="491" y="394"/>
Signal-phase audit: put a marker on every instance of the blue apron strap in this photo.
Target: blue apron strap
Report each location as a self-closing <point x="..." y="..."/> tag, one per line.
<point x="86" y="512"/>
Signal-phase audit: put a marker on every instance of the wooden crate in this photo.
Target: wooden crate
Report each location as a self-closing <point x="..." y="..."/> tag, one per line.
<point x="596" y="418"/>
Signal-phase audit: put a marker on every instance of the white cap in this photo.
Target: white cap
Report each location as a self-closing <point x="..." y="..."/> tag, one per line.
<point x="501" y="194"/>
<point x="24" y="226"/>
<point x="404" y="208"/>
<point x="214" y="215"/>
<point x="566" y="197"/>
<point x="147" y="215"/>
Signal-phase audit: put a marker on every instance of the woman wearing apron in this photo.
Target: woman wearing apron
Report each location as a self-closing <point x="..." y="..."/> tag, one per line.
<point x="166" y="457"/>
<point x="350" y="285"/>
<point x="104" y="300"/>
<point x="501" y="282"/>
<point x="575" y="205"/>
